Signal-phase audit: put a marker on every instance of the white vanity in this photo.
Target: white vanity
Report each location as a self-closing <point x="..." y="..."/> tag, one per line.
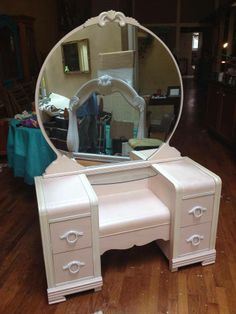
<point x="157" y="195"/>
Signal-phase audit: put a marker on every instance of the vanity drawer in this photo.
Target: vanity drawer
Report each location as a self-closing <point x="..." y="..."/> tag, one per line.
<point x="197" y="210"/>
<point x="73" y="265"/>
<point x="71" y="235"/>
<point x="194" y="238"/>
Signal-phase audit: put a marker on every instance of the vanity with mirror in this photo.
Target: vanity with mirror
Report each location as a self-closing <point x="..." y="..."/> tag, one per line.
<point x="141" y="189"/>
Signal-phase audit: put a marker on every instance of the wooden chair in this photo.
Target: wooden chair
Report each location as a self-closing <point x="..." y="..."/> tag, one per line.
<point x="19" y="99"/>
<point x="29" y="89"/>
<point x="7" y="110"/>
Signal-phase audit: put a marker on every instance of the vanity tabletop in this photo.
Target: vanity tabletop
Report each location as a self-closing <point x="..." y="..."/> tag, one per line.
<point x="191" y="177"/>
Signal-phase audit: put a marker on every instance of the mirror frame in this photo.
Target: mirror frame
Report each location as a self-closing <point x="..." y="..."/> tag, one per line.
<point x="102" y="20"/>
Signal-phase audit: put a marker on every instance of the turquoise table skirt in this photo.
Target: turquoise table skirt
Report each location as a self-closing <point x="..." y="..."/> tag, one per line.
<point x="28" y="152"/>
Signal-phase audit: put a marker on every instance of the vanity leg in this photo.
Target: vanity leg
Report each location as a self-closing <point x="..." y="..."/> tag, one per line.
<point x="55" y="299"/>
<point x="209" y="259"/>
<point x="172" y="267"/>
<point x="98" y="289"/>
<point x="208" y="262"/>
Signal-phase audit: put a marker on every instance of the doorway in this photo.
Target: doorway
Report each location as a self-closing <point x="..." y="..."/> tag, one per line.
<point x="190" y="52"/>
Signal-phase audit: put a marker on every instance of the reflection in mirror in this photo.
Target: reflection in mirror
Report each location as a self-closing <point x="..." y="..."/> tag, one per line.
<point x="128" y="53"/>
<point x="75" y="56"/>
<point x="122" y="176"/>
<point x="104" y="85"/>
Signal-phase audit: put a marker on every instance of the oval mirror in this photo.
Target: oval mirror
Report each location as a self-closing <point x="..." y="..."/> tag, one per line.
<point x="108" y="87"/>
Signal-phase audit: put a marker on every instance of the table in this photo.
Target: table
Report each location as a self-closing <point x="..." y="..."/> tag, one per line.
<point x="167" y="101"/>
<point x="28" y="152"/>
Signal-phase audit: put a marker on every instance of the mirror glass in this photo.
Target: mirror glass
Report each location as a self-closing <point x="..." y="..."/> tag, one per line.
<point x="129" y="53"/>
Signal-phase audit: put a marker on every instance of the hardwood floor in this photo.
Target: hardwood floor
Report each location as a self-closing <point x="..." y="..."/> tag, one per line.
<point x="137" y="280"/>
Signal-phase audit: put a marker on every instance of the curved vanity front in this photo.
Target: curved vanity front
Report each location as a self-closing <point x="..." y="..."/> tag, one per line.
<point x="83" y="215"/>
<point x="70" y="235"/>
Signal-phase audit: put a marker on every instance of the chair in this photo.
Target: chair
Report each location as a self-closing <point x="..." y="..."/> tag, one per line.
<point x="157" y="134"/>
<point x="19" y="98"/>
<point x="7" y="110"/>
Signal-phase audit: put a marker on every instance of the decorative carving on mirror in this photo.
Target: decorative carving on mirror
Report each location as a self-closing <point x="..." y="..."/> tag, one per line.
<point x="111" y="16"/>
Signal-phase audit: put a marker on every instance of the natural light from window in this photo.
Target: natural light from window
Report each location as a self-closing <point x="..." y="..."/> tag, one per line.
<point x="195" y="41"/>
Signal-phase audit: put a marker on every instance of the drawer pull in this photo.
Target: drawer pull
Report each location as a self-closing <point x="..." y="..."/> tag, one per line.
<point x="197" y="211"/>
<point x="195" y="239"/>
<point x="72" y="236"/>
<point x="74" y="266"/>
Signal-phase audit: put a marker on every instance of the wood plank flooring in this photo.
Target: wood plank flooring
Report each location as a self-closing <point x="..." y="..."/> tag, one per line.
<point x="136" y="281"/>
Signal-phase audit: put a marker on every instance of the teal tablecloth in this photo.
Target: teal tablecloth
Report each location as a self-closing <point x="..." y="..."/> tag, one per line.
<point x="28" y="152"/>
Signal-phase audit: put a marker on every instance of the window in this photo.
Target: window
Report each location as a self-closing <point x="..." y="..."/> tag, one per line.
<point x="195" y="41"/>
<point x="76" y="56"/>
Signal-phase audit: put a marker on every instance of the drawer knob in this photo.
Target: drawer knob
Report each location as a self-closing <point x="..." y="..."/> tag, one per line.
<point x="197" y="211"/>
<point x="72" y="236"/>
<point x="195" y="239"/>
<point x="74" y="266"/>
